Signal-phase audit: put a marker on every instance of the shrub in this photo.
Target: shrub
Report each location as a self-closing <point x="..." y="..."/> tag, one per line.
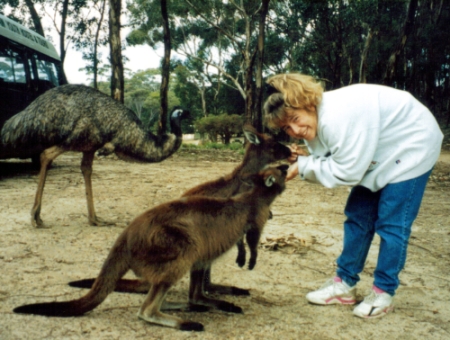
<point x="225" y="126"/>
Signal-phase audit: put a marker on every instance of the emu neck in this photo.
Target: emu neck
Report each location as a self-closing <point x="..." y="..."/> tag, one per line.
<point x="137" y="145"/>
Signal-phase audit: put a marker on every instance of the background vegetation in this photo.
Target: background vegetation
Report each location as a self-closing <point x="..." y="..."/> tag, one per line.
<point x="402" y="43"/>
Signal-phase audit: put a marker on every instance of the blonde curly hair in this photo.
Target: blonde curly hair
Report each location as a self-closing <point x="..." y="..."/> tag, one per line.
<point x="295" y="91"/>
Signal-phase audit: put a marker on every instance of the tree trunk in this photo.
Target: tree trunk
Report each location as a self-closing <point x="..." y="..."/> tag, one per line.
<point x="117" y="80"/>
<point x="257" y="112"/>
<point x="433" y="66"/>
<point x="35" y="17"/>
<point x="406" y="31"/>
<point x="62" y="47"/>
<point x="363" y="65"/>
<point x="249" y="62"/>
<point x="97" y="34"/>
<point x="165" y="70"/>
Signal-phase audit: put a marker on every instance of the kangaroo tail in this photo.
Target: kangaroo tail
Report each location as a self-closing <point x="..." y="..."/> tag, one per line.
<point x="122" y="286"/>
<point x="115" y="266"/>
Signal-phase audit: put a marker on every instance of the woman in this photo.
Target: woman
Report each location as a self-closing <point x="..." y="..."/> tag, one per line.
<point x="381" y="141"/>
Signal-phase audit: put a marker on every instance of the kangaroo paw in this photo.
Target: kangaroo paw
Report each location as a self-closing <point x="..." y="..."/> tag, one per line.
<point x="196" y="308"/>
<point x="239" y="291"/>
<point x="240" y="260"/>
<point x="191" y="326"/>
<point x="251" y="263"/>
<point x="229" y="307"/>
<point x="226" y="290"/>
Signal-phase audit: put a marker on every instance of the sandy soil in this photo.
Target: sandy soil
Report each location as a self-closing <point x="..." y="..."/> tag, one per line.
<point x="301" y="244"/>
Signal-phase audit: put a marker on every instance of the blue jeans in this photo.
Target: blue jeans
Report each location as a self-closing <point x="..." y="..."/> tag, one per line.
<point x="389" y="212"/>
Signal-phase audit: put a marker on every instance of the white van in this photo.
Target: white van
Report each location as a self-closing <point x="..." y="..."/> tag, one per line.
<point x="29" y="66"/>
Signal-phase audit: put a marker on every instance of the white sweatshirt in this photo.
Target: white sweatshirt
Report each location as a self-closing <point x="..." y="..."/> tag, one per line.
<point x="370" y="135"/>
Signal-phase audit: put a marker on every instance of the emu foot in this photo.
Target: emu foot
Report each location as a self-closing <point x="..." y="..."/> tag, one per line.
<point x="38" y="223"/>
<point x="98" y="222"/>
<point x="36" y="220"/>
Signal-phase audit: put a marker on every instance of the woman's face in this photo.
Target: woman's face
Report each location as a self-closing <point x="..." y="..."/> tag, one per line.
<point x="301" y="124"/>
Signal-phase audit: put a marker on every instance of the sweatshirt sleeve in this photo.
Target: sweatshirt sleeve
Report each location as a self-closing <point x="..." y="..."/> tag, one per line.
<point x="350" y="139"/>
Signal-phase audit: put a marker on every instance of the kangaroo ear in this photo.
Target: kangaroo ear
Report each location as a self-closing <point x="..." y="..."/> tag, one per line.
<point x="250" y="134"/>
<point x="269" y="181"/>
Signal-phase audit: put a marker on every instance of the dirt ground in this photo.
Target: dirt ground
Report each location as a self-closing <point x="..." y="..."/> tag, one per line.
<point x="300" y="245"/>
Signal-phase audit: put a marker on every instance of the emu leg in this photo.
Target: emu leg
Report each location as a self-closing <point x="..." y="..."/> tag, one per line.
<point x="197" y="294"/>
<point x="47" y="157"/>
<point x="150" y="311"/>
<point x="212" y="288"/>
<point x="86" y="169"/>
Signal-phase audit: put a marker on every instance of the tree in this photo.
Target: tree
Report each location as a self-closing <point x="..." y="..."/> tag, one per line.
<point x="217" y="29"/>
<point x="406" y="31"/>
<point x="91" y="33"/>
<point x="117" y="77"/>
<point x="165" y="69"/>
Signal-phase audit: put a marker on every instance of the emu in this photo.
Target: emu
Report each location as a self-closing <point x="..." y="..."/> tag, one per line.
<point x="163" y="243"/>
<point x="80" y="118"/>
<point x="261" y="150"/>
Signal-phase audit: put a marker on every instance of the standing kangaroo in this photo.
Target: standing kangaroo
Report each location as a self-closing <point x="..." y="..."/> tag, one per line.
<point x="261" y="150"/>
<point x="163" y="243"/>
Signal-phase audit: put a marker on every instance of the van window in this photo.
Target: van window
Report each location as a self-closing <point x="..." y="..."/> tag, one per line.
<point x="12" y="68"/>
<point x="46" y="70"/>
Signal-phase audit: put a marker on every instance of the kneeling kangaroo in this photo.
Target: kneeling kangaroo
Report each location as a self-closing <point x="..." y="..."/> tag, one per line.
<point x="165" y="242"/>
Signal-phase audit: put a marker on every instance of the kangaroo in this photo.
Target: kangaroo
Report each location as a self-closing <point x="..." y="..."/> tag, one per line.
<point x="261" y="150"/>
<point x="163" y="243"/>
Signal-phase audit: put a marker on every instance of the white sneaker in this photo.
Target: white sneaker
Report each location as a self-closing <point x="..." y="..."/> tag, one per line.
<point x="374" y="306"/>
<point x="333" y="292"/>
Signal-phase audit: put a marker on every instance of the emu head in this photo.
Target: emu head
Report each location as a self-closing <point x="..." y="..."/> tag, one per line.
<point x="177" y="114"/>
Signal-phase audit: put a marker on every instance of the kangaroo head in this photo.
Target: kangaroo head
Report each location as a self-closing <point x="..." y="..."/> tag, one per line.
<point x="270" y="179"/>
<point x="264" y="147"/>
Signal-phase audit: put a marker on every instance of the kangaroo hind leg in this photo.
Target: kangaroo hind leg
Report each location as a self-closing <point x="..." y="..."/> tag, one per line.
<point x="197" y="296"/>
<point x="213" y="288"/>
<point x="150" y="311"/>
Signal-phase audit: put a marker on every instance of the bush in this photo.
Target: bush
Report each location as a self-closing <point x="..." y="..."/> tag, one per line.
<point x="225" y="126"/>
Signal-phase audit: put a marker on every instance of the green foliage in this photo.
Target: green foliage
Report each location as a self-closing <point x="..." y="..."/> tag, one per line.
<point x="324" y="38"/>
<point x="225" y="126"/>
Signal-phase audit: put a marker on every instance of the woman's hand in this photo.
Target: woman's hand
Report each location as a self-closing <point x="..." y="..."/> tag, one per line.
<point x="295" y="152"/>
<point x="292" y="172"/>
